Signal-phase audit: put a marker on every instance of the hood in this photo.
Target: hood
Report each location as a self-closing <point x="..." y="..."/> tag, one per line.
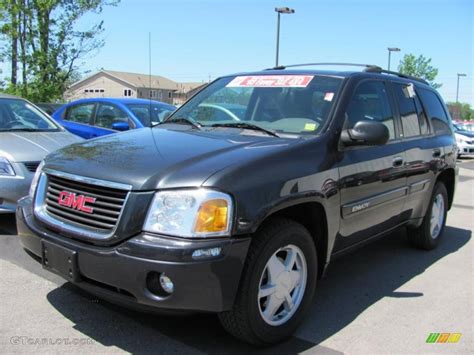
<point x="157" y="158"/>
<point x="33" y="146"/>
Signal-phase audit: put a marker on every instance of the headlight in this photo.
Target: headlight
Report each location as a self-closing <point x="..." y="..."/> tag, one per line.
<point x="461" y="140"/>
<point x="190" y="213"/>
<point x="6" y="169"/>
<point x="35" y="180"/>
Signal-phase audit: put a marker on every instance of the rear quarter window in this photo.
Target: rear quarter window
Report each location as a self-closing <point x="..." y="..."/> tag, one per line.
<point x="435" y="111"/>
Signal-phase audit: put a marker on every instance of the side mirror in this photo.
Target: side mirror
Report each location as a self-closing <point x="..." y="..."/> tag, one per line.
<point x="120" y="126"/>
<point x="366" y="133"/>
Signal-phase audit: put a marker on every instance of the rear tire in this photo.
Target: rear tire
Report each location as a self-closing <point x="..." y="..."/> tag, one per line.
<point x="429" y="233"/>
<point x="282" y="262"/>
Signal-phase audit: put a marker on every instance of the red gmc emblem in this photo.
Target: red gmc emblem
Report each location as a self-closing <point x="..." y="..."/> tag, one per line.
<point x="77" y="202"/>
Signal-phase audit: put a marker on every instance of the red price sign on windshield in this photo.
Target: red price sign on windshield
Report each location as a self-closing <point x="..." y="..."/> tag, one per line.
<point x="271" y="81"/>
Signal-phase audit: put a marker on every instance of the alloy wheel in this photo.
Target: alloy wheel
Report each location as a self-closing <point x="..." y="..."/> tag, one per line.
<point x="282" y="285"/>
<point x="437" y="216"/>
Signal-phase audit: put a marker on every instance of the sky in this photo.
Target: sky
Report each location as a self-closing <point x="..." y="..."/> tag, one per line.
<point x="194" y="40"/>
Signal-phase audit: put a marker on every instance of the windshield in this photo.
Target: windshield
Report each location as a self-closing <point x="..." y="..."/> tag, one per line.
<point x="19" y="115"/>
<point x="158" y="112"/>
<point x="291" y="104"/>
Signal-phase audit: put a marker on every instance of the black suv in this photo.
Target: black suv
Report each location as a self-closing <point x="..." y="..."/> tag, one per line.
<point x="239" y="200"/>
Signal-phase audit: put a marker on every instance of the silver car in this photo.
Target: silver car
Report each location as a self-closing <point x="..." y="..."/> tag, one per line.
<point x="27" y="135"/>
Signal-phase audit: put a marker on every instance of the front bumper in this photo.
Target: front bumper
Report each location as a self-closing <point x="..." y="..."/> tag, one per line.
<point x="12" y="188"/>
<point x="119" y="273"/>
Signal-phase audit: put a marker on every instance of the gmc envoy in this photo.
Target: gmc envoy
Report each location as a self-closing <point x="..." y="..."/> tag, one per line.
<point x="237" y="202"/>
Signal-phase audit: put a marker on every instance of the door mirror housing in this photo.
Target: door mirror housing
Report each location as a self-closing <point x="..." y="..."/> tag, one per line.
<point x="120" y="126"/>
<point x="365" y="133"/>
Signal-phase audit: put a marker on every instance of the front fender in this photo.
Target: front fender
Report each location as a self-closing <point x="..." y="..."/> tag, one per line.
<point x="320" y="188"/>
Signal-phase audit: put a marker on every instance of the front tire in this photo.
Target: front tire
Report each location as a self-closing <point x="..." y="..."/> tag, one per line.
<point x="428" y="235"/>
<point x="277" y="285"/>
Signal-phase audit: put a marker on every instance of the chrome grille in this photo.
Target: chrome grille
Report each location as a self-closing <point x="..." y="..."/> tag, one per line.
<point x="31" y="165"/>
<point x="106" y="208"/>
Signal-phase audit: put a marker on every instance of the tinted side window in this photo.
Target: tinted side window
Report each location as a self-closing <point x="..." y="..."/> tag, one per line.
<point x="435" y="110"/>
<point x="80" y="113"/>
<point x="109" y="114"/>
<point x="406" y="98"/>
<point x="424" y="126"/>
<point x="370" y="102"/>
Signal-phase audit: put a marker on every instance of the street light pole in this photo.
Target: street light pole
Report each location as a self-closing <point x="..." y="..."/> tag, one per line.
<point x="278" y="41"/>
<point x="457" y="87"/>
<point x="280" y="10"/>
<point x="390" y="50"/>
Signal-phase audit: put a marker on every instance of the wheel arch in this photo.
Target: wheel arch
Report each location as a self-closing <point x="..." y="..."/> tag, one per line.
<point x="312" y="215"/>
<point x="448" y="178"/>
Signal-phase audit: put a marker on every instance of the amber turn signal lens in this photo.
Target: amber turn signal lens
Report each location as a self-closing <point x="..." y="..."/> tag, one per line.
<point x="212" y="216"/>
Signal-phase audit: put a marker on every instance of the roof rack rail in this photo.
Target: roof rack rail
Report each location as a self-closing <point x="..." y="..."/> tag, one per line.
<point x="281" y="67"/>
<point x="369" y="68"/>
<point x="401" y="75"/>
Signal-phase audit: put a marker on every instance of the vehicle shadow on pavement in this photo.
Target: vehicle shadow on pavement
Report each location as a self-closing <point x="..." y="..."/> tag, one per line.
<point x="136" y="332"/>
<point x="353" y="283"/>
<point x="356" y="281"/>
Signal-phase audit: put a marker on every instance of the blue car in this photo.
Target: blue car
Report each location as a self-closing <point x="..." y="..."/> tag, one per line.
<point x="90" y="118"/>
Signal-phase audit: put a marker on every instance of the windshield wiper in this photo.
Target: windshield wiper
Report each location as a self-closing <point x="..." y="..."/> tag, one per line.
<point x="181" y="120"/>
<point x="246" y="126"/>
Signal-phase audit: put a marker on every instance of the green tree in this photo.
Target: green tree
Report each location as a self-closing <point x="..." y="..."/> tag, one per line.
<point x="420" y="67"/>
<point x="9" y="13"/>
<point x="43" y="42"/>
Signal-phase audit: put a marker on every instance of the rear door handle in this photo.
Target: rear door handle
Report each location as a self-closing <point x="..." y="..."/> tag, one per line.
<point x="397" y="161"/>
<point x="436" y="153"/>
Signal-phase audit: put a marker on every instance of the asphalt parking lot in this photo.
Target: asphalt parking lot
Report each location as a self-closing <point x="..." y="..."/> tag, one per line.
<point x="384" y="298"/>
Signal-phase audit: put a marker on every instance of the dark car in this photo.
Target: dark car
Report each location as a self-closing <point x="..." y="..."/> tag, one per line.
<point x="49" y="108"/>
<point x="241" y="217"/>
<point x="95" y="117"/>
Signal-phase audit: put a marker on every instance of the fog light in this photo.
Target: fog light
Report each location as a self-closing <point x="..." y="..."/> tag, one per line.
<point x="166" y="283"/>
<point x="206" y="253"/>
<point x="159" y="284"/>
